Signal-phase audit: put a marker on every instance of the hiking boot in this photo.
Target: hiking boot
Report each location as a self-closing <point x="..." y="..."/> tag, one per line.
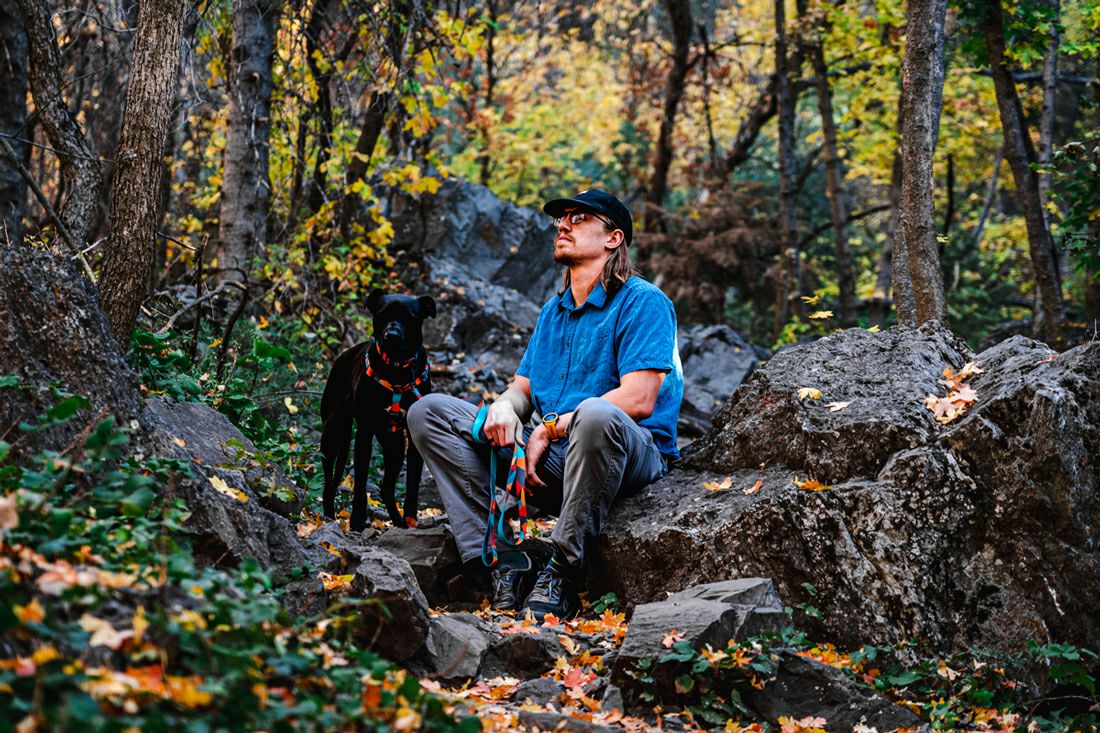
<point x="510" y="588"/>
<point x="555" y="593"/>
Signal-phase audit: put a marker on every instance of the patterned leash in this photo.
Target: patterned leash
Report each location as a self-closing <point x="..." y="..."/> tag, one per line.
<point x="398" y="390"/>
<point x="496" y="528"/>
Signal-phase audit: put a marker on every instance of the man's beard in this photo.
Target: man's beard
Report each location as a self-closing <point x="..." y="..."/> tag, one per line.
<point x="564" y="259"/>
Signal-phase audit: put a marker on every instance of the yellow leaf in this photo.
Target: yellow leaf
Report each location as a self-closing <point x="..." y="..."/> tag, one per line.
<point x="290" y="406"/>
<point x="821" y="314"/>
<point x="811" y="485"/>
<point x="335" y="582"/>
<point x="103" y="633"/>
<point x="813" y="394"/>
<point x="812" y="299"/>
<point x="222" y="487"/>
<point x="874" y="329"/>
<point x="837" y="406"/>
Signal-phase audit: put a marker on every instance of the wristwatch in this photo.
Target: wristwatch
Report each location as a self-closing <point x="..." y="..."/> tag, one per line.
<point x="551" y="423"/>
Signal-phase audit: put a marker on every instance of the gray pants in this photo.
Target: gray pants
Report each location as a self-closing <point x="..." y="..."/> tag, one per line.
<point x="605" y="453"/>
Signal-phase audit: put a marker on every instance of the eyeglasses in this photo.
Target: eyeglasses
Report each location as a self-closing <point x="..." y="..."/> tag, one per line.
<point x="579" y="217"/>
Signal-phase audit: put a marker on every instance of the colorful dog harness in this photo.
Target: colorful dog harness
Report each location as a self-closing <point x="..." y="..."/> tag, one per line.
<point x="496" y="528"/>
<point x="398" y="390"/>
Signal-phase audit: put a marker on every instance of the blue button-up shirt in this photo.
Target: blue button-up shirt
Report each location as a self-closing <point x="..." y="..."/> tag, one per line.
<point x="581" y="352"/>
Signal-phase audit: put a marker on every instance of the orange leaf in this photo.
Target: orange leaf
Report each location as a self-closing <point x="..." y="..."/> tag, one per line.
<point x="718" y="486"/>
<point x="755" y="487"/>
<point x="811" y="485"/>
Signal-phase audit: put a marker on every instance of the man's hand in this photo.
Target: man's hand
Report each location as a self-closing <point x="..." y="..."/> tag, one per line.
<point x="537" y="443"/>
<point x="503" y="427"/>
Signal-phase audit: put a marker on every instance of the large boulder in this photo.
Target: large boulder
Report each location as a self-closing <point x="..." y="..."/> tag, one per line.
<point x="394" y="622"/>
<point x="977" y="532"/>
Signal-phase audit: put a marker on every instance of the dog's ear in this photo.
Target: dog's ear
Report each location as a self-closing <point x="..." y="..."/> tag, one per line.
<point x="427" y="306"/>
<point x="374" y="300"/>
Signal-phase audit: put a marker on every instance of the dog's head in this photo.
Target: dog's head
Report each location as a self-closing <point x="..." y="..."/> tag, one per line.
<point x="398" y="320"/>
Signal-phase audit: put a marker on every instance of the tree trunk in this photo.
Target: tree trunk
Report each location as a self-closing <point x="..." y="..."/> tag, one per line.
<point x="915" y="247"/>
<point x="139" y="164"/>
<point x="81" y="171"/>
<point x="324" y="103"/>
<point x="485" y="160"/>
<point x="13" y="117"/>
<point x="789" y="277"/>
<point x="1046" y="120"/>
<point x="679" y="13"/>
<point x="246" y="187"/>
<point x="1049" y="317"/>
<point x="834" y="188"/>
<point x="763" y="110"/>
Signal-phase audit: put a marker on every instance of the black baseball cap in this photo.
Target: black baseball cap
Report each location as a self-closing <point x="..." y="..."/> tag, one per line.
<point x="600" y="202"/>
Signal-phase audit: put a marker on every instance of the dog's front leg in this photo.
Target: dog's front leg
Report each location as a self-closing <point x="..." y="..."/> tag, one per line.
<point x="414" y="467"/>
<point x="363" y="446"/>
<point x="393" y="455"/>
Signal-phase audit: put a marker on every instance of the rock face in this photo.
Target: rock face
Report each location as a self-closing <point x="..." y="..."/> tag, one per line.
<point x="979" y="532"/>
<point x="396" y="625"/>
<point x="52" y="330"/>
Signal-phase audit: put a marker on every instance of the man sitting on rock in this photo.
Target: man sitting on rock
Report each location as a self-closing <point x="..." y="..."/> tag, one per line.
<point x="603" y="372"/>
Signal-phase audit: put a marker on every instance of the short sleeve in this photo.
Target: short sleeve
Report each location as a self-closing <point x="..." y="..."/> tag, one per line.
<point x="524" y="368"/>
<point x="646" y="333"/>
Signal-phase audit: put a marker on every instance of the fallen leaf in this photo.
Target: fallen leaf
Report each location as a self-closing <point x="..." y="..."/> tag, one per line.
<point x="103" y="633"/>
<point x="671" y="638"/>
<point x="290" y="406"/>
<point x="718" y="486"/>
<point x="837" y="406"/>
<point x="812" y="393"/>
<point x="335" y="582"/>
<point x="755" y="487"/>
<point x="811" y="485"/>
<point x="222" y="487"/>
<point x="820" y="314"/>
<point x="32" y="613"/>
<point x="9" y="515"/>
<point x="874" y="329"/>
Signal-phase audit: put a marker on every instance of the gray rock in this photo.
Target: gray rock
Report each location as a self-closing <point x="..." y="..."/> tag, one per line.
<point x="805" y="687"/>
<point x="884" y="376"/>
<point x="716" y="360"/>
<point x="455" y="646"/>
<point x="710" y="614"/>
<point x="325" y="546"/>
<point x="531" y="721"/>
<point x="226" y="530"/>
<point x="213" y="441"/>
<point x="431" y="553"/>
<point x="303" y="597"/>
<point x="539" y="691"/>
<point x="395" y="625"/>
<point x="522" y="655"/>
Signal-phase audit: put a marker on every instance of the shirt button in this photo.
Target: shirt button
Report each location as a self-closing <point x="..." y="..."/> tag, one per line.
<point x="562" y="377"/>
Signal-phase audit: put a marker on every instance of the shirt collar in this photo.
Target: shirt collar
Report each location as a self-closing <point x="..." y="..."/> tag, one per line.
<point x="597" y="298"/>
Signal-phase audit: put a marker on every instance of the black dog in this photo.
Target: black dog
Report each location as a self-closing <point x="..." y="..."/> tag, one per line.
<point x="372" y="385"/>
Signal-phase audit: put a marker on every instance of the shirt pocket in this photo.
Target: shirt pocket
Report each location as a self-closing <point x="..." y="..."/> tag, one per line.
<point x="595" y="351"/>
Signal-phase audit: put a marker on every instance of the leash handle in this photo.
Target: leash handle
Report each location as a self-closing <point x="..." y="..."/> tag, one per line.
<point x="496" y="526"/>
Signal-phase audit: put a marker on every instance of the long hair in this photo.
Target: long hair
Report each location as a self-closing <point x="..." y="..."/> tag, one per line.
<point x="616" y="270"/>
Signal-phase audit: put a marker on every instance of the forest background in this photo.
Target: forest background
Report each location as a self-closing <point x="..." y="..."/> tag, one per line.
<point x="758" y="145"/>
<point x="793" y="167"/>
